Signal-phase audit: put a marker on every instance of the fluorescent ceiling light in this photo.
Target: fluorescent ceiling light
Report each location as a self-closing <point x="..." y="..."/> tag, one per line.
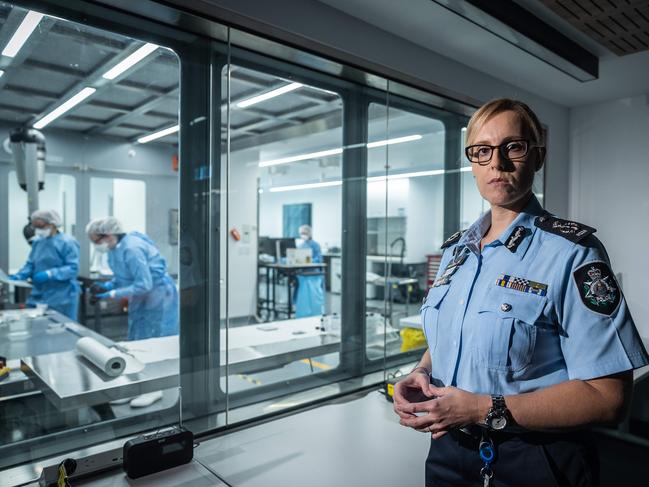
<point x="465" y="169"/>
<point x="302" y="157"/>
<point x="64" y="107"/>
<point x="158" y="134"/>
<point x="339" y="150"/>
<point x="130" y="61"/>
<point x="389" y="177"/>
<point x="24" y="30"/>
<point x="268" y="95"/>
<point x="1" y="73"/>
<point x="296" y="187"/>
<point x="373" y="179"/>
<point x="398" y="140"/>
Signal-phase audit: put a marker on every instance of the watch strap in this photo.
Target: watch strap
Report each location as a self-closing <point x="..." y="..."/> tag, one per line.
<point x="498" y="404"/>
<point x="498" y="412"/>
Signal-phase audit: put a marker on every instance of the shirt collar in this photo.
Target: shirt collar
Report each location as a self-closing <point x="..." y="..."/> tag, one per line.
<point x="518" y="244"/>
<point x="471" y="238"/>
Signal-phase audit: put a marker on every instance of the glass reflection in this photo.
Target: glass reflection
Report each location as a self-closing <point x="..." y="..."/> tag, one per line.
<point x="405" y="215"/>
<point x="81" y="136"/>
<point x="283" y="237"/>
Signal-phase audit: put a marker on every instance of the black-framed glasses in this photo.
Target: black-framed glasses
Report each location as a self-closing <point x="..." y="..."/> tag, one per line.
<point x="512" y="150"/>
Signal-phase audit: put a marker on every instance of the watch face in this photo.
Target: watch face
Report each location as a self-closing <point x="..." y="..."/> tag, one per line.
<point x="498" y="422"/>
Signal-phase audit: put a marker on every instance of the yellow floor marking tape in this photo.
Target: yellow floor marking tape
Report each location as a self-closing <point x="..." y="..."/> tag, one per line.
<point x="317" y="364"/>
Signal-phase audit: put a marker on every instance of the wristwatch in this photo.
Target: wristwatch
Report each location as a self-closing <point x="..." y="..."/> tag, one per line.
<point x="497" y="416"/>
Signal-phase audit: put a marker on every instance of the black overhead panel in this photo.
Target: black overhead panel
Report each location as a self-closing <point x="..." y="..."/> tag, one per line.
<point x="621" y="26"/>
<point x="521" y="28"/>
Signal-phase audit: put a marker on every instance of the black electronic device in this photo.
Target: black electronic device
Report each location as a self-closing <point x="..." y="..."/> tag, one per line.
<point x="266" y="245"/>
<point x="158" y="451"/>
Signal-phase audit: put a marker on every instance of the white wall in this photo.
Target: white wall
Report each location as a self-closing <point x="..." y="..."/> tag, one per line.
<point x="242" y="255"/>
<point x="397" y="192"/>
<point x="130" y="204"/>
<point x="425" y="224"/>
<point x="609" y="188"/>
<point x="326" y="213"/>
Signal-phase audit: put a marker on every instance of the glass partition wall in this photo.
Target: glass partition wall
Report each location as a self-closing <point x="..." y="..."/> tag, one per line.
<point x="299" y="214"/>
<point x="96" y="99"/>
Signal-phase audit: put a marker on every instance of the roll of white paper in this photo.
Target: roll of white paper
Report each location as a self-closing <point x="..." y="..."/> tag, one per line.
<point x="108" y="360"/>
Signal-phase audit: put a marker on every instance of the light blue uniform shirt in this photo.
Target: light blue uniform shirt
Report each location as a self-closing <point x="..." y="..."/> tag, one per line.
<point x="490" y="339"/>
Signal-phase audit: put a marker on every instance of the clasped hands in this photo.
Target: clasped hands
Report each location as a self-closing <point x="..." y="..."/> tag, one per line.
<point x="431" y="409"/>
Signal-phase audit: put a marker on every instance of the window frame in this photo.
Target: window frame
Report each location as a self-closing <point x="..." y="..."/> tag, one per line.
<point x="199" y="44"/>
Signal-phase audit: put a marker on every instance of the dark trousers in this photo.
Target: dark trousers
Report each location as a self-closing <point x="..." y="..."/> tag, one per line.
<point x="529" y="460"/>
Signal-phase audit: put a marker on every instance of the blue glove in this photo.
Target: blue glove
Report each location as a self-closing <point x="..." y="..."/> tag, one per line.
<point x="106" y="295"/>
<point x="41" y="277"/>
<point x="13" y="277"/>
<point x="104" y="285"/>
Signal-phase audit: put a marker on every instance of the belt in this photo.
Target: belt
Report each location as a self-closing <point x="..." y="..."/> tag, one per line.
<point x="470" y="436"/>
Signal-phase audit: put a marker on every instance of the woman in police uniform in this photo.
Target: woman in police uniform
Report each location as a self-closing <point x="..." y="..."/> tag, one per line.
<point x="530" y="339"/>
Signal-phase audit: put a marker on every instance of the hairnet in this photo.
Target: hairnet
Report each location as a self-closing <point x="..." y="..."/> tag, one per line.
<point x="305" y="229"/>
<point x="105" y="226"/>
<point x="50" y="216"/>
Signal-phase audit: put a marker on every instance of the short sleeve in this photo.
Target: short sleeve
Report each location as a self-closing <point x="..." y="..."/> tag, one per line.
<point x="598" y="335"/>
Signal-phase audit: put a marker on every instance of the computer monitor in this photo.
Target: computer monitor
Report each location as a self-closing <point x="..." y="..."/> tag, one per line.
<point x="266" y="245"/>
<point x="281" y="244"/>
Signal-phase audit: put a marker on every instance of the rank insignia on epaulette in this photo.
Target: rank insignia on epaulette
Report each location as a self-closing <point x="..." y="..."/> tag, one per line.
<point x="452" y="239"/>
<point x="523" y="285"/>
<point x="451" y="268"/>
<point x="515" y="238"/>
<point x="573" y="231"/>
<point x="597" y="287"/>
<point x="442" y="281"/>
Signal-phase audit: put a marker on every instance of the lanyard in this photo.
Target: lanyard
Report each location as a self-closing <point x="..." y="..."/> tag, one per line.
<point x="487" y="455"/>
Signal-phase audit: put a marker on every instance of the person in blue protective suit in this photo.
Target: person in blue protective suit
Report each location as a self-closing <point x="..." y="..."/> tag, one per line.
<point x="309" y="299"/>
<point x="52" y="265"/>
<point x="140" y="275"/>
<point x="530" y="339"/>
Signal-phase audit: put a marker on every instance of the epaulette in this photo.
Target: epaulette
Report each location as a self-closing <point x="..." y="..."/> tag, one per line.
<point x="452" y="239"/>
<point x="573" y="231"/>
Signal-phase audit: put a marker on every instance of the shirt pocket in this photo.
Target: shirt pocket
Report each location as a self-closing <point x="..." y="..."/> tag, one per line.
<point x="430" y="314"/>
<point x="507" y="330"/>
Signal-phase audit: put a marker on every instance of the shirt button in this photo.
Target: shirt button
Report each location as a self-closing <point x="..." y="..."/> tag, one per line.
<point x="505" y="307"/>
<point x="454" y="343"/>
<point x="461" y="301"/>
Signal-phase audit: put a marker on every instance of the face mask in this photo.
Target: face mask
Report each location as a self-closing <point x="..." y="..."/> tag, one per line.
<point x="102" y="248"/>
<point x="42" y="232"/>
<point x="304" y="237"/>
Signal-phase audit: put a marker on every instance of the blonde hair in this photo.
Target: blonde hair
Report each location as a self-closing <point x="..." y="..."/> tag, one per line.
<point x="531" y="125"/>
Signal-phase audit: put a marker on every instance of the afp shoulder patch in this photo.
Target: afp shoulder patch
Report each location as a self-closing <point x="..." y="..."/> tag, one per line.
<point x="452" y="239"/>
<point x="573" y="231"/>
<point x="597" y="287"/>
